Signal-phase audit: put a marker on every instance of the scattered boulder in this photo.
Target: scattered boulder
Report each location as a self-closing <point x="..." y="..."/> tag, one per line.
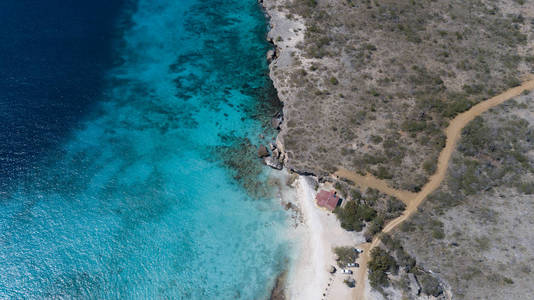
<point x="271" y="55"/>
<point x="262" y="151"/>
<point x="430" y="285"/>
<point x="276" y="122"/>
<point x="282" y="157"/>
<point x="273" y="163"/>
<point x="289" y="206"/>
<point x="279" y="290"/>
<point x="276" y="153"/>
<point x="414" y="285"/>
<point x="368" y="236"/>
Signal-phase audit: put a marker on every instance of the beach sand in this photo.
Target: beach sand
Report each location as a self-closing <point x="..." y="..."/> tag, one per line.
<point x="319" y="233"/>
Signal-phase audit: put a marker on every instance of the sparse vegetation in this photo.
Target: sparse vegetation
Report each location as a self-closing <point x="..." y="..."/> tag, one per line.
<point x="334" y="81"/>
<point x="473" y="220"/>
<point x="404" y="70"/>
<point x="430" y="285"/>
<point x="380" y="264"/>
<point x="370" y="209"/>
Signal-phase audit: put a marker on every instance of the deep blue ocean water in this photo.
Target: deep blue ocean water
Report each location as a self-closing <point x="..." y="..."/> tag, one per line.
<point x="127" y="160"/>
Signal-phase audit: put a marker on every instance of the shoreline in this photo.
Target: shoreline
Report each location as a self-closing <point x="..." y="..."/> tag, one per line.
<point x="285" y="32"/>
<point x="316" y="231"/>
<point x="307" y="275"/>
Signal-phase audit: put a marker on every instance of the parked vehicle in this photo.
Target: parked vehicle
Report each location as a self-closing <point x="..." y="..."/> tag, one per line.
<point x="358" y="250"/>
<point x="353" y="265"/>
<point x="345" y="271"/>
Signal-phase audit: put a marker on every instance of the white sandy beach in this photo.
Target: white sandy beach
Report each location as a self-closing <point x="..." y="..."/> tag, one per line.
<point x="320" y="230"/>
<point x="319" y="234"/>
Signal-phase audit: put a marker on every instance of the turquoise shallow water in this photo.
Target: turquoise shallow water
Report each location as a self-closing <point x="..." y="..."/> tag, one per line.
<point x="157" y="192"/>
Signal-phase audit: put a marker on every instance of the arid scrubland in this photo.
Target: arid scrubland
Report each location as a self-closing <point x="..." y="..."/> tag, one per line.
<point x="371" y="84"/>
<point x="475" y="232"/>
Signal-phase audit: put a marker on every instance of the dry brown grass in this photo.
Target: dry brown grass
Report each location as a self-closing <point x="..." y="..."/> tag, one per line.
<point x="382" y="78"/>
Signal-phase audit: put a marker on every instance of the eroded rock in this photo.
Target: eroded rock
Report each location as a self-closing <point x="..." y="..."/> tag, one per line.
<point x="276" y="122"/>
<point x="276" y="153"/>
<point x="414" y="285"/>
<point x="273" y="163"/>
<point x="271" y="55"/>
<point x="262" y="151"/>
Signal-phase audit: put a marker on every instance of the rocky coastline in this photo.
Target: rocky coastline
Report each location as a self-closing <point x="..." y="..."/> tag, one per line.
<point x="281" y="32"/>
<point x="354" y="92"/>
<point x="306" y="277"/>
<point x="285" y="31"/>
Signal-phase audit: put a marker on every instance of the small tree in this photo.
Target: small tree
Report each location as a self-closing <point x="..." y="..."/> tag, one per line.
<point x="380" y="263"/>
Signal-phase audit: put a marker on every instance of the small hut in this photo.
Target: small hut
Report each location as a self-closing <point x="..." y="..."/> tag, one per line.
<point x="328" y="199"/>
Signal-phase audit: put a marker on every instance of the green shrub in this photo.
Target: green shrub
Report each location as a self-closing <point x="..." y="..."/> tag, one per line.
<point x="512" y="82"/>
<point x="346" y="255"/>
<point x="391" y="243"/>
<point x="374" y="159"/>
<point x="455" y="107"/>
<point x="366" y="212"/>
<point x="430" y="285"/>
<point x="352" y="215"/>
<point x="407" y="226"/>
<point x="341" y="189"/>
<point x="380" y="263"/>
<point x="405" y="260"/>
<point x="526" y="188"/>
<point x="438" y="233"/>
<point x="375" y="139"/>
<point x="348" y="217"/>
<point x="310" y="3"/>
<point x="369" y="47"/>
<point x="395" y="206"/>
<point x="437" y="229"/>
<point x="430" y="166"/>
<point x="376" y="225"/>
<point x="413" y="126"/>
<point x="355" y="195"/>
<point x="474" y="89"/>
<point x="383" y="173"/>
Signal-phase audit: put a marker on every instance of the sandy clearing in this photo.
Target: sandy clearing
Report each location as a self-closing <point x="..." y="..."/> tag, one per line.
<point x="320" y="233"/>
<point x="369" y="181"/>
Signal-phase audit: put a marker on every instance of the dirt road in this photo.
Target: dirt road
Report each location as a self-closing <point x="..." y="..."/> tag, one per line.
<point x="413" y="200"/>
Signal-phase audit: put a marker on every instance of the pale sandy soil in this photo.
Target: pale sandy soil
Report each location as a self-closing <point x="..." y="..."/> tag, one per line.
<point x="319" y="233"/>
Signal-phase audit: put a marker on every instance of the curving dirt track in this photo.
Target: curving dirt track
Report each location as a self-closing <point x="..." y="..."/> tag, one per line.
<point x="413" y="200"/>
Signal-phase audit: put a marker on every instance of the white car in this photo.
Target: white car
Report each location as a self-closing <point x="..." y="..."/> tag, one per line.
<point x="358" y="250"/>
<point x="345" y="271"/>
<point x="353" y="265"/>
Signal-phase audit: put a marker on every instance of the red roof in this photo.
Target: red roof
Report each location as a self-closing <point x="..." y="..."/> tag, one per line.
<point x="327" y="199"/>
